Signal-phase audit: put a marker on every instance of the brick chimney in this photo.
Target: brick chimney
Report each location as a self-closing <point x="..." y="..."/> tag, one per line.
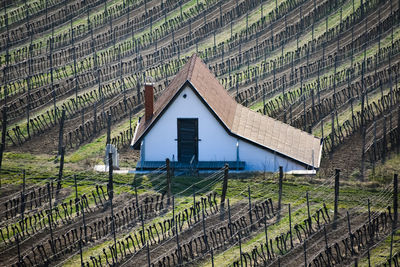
<point x="148" y="100"/>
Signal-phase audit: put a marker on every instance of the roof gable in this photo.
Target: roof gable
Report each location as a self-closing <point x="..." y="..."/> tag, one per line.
<point x="236" y="119"/>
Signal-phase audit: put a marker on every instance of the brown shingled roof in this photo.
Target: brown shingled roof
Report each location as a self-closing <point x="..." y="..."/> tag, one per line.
<point x="236" y="119"/>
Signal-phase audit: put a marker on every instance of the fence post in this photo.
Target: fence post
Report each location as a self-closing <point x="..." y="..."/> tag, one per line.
<point x="194" y="204"/>
<point x="60" y="171"/>
<point x="265" y="229"/>
<point x="395" y="200"/>
<point x="148" y="253"/>
<point x="398" y="130"/>
<point x="80" y="252"/>
<point x="61" y="132"/>
<point x="280" y="191"/>
<point x="250" y="216"/>
<point x="53" y="88"/>
<point x="177" y="243"/>
<point x="308" y="208"/>
<point x="50" y="218"/>
<point x="240" y="249"/>
<point x="19" y="251"/>
<point x="94" y="118"/>
<point x="3" y="134"/>
<point x="111" y="196"/>
<point x="167" y="163"/>
<point x="333" y="131"/>
<point x="224" y="189"/>
<point x="290" y="227"/>
<point x="83" y="124"/>
<point x="23" y="199"/>
<point x="84" y="222"/>
<point x="108" y="129"/>
<point x="230" y="219"/>
<point x="363" y="152"/>
<point x="204" y="232"/>
<point x="76" y="197"/>
<point x="391" y="248"/>
<point x="28" y="81"/>
<point x="212" y="258"/>
<point x="335" y="211"/>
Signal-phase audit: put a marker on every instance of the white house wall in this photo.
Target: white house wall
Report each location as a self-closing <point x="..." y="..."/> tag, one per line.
<point x="258" y="159"/>
<point x="215" y="145"/>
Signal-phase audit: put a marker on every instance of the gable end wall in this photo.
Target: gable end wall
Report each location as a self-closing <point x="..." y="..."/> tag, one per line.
<point x="215" y="145"/>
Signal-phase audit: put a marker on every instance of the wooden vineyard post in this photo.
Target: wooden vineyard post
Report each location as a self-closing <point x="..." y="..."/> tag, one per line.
<point x="250" y="216"/>
<point x="308" y="208"/>
<point x="398" y="131"/>
<point x="74" y="58"/>
<point x="280" y="191"/>
<point x="304" y="110"/>
<point x="177" y="242"/>
<point x="240" y="249"/>
<point x="50" y="219"/>
<point x="94" y="118"/>
<point x="305" y="253"/>
<point x="84" y="222"/>
<point x="204" y="231"/>
<point x="142" y="220"/>
<point x="290" y="227"/>
<point x="53" y="88"/>
<point x="76" y="196"/>
<point x="130" y="124"/>
<point x="167" y="163"/>
<point x="395" y="200"/>
<point x="60" y="171"/>
<point x="265" y="229"/>
<point x="3" y="134"/>
<point x="80" y="252"/>
<point x="333" y="131"/>
<point x="224" y="189"/>
<point x="83" y="125"/>
<point x="230" y="219"/>
<point x="28" y="81"/>
<point x="173" y="215"/>
<point x="111" y="196"/>
<point x="335" y="211"/>
<point x="108" y="129"/>
<point x="18" y="250"/>
<point x="148" y="253"/>
<point x="212" y="258"/>
<point x="61" y="133"/>
<point x="194" y="204"/>
<point x="391" y="248"/>
<point x="23" y="199"/>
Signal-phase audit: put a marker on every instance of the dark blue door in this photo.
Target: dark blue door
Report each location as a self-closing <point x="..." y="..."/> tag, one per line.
<point x="187" y="140"/>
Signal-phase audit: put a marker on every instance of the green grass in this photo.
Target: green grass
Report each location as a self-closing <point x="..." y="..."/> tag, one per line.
<point x="380" y="254"/>
<point x="352" y="194"/>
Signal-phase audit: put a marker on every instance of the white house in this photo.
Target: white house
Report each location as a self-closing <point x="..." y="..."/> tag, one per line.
<point x="195" y="121"/>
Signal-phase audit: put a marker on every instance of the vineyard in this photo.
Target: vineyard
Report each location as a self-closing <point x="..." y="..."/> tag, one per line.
<point x="72" y="81"/>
